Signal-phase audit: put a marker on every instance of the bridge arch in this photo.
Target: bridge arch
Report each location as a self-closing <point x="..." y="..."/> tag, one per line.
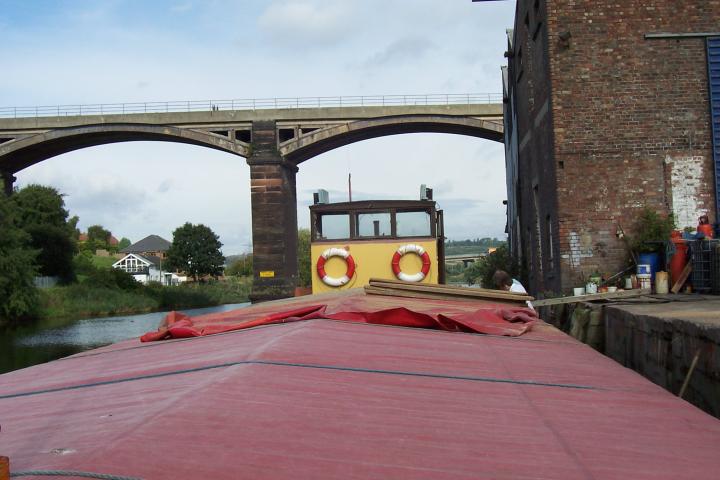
<point x="274" y="142"/>
<point x="323" y="140"/>
<point x="23" y="152"/>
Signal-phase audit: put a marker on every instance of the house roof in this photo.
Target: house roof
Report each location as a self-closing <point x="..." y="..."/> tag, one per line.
<point x="146" y="259"/>
<point x="151" y="243"/>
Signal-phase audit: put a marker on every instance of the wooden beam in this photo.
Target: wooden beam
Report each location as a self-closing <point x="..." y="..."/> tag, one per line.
<point x="396" y="292"/>
<point x="682" y="279"/>
<point x="587" y="298"/>
<point x="451" y="290"/>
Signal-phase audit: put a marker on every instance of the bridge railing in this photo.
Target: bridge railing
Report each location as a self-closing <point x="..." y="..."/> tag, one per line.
<point x="249" y="104"/>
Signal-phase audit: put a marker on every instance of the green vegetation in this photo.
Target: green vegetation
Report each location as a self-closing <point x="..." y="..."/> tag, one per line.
<point x="40" y="212"/>
<point x="652" y="230"/>
<point x="469" y="247"/>
<point x="102" y="262"/>
<point x="240" y="266"/>
<point x="113" y="292"/>
<point x="304" y="261"/>
<point x="124" y="243"/>
<point x="37" y="238"/>
<point x="18" y="295"/>
<point x="195" y="250"/>
<point x="481" y="271"/>
<point x="98" y="238"/>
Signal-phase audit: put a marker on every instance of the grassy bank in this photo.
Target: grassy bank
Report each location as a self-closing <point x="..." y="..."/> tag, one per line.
<point x="99" y="299"/>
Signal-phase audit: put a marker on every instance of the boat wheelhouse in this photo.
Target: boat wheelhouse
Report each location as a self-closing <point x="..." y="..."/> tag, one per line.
<point x="352" y="242"/>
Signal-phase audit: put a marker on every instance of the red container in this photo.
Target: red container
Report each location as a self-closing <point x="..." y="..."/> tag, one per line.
<point x="680" y="258"/>
<point x="706" y="229"/>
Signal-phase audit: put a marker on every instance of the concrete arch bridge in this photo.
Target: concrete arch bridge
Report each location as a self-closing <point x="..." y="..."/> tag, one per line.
<point x="274" y="136"/>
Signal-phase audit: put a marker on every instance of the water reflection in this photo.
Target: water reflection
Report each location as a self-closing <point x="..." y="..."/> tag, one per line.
<point x="46" y="341"/>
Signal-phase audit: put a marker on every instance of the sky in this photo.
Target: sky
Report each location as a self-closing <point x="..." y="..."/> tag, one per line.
<point x="113" y="51"/>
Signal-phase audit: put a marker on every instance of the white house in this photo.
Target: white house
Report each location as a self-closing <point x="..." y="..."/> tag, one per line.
<point x="148" y="269"/>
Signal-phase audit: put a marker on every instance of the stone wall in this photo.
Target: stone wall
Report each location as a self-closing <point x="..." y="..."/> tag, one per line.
<point x="662" y="349"/>
<point x="274" y="216"/>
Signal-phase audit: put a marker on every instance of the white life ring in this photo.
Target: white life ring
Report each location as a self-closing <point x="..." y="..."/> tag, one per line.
<point x="420" y="251"/>
<point x="335" y="281"/>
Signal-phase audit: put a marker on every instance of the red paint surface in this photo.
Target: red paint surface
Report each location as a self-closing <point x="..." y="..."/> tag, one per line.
<point x="261" y="421"/>
<point x="489" y="319"/>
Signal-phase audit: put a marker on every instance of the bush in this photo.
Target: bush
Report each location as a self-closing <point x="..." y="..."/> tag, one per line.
<point x="482" y="270"/>
<point x="80" y="301"/>
<point x="652" y="230"/>
<point x="112" y="278"/>
<point x="242" y="267"/>
<point x="201" y="294"/>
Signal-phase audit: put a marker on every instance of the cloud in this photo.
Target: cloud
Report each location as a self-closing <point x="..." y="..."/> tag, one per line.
<point x="401" y="51"/>
<point x="181" y="7"/>
<point x="306" y="24"/>
<point x="165" y="185"/>
<point x="224" y="49"/>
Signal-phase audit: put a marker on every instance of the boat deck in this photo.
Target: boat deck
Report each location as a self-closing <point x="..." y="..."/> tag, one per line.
<point x="334" y="399"/>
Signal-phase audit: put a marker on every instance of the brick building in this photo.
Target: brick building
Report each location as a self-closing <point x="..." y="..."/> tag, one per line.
<point x="607" y="111"/>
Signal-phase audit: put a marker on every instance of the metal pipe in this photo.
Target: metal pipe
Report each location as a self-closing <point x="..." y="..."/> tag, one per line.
<point x="665" y="36"/>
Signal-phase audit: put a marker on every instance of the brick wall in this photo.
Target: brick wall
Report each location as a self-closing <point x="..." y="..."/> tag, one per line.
<point x="630" y="121"/>
<point x="537" y="201"/>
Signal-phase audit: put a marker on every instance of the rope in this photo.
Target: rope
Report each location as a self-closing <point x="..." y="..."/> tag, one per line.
<point x="303" y="365"/>
<point x="70" y="473"/>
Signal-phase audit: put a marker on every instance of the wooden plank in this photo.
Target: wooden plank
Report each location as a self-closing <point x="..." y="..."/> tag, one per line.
<point x="587" y="298"/>
<point x="436" y="285"/>
<point x="683" y="278"/>
<point x="443" y="286"/>
<point x="457" y="291"/>
<point x="394" y="292"/>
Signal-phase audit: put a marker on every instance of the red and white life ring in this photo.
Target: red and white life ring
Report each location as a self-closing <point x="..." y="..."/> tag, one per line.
<point x="335" y="281"/>
<point x="417" y="277"/>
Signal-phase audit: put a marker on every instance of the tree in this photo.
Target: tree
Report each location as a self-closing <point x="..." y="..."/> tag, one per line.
<point x="41" y="213"/>
<point x="18" y="295"/>
<point x="97" y="238"/>
<point x="242" y="267"/>
<point x="195" y="249"/>
<point x="304" y="260"/>
<point x="482" y="270"/>
<point x="124" y="243"/>
<point x="41" y="205"/>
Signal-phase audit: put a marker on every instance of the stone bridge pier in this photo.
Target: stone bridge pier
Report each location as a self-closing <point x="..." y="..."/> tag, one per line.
<point x="274" y="216"/>
<point x="8" y="180"/>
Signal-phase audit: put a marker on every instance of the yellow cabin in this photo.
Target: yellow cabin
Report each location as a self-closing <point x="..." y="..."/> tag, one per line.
<point x="392" y="239"/>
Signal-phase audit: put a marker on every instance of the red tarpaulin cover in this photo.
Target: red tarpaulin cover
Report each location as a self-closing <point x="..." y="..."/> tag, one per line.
<point x="494" y="320"/>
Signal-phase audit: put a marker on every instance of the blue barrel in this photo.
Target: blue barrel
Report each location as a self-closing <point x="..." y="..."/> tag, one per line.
<point x="652" y="259"/>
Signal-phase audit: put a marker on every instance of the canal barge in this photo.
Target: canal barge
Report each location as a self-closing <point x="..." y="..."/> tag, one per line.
<point x="331" y="386"/>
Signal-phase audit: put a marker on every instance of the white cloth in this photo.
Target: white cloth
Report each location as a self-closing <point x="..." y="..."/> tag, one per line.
<point x="517" y="287"/>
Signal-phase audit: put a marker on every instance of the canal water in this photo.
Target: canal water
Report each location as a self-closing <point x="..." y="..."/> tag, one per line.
<point x="45" y="341"/>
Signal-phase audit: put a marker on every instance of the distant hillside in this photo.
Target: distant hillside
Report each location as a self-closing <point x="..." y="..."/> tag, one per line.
<point x="468" y="247"/>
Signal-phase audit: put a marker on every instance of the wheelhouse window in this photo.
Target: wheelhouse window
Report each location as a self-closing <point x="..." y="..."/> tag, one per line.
<point x="374" y="224"/>
<point x="413" y="224"/>
<point x="334" y="226"/>
<point x="377" y="219"/>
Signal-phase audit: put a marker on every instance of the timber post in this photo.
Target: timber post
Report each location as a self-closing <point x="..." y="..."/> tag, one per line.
<point x="4" y="468"/>
<point x="274" y="216"/>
